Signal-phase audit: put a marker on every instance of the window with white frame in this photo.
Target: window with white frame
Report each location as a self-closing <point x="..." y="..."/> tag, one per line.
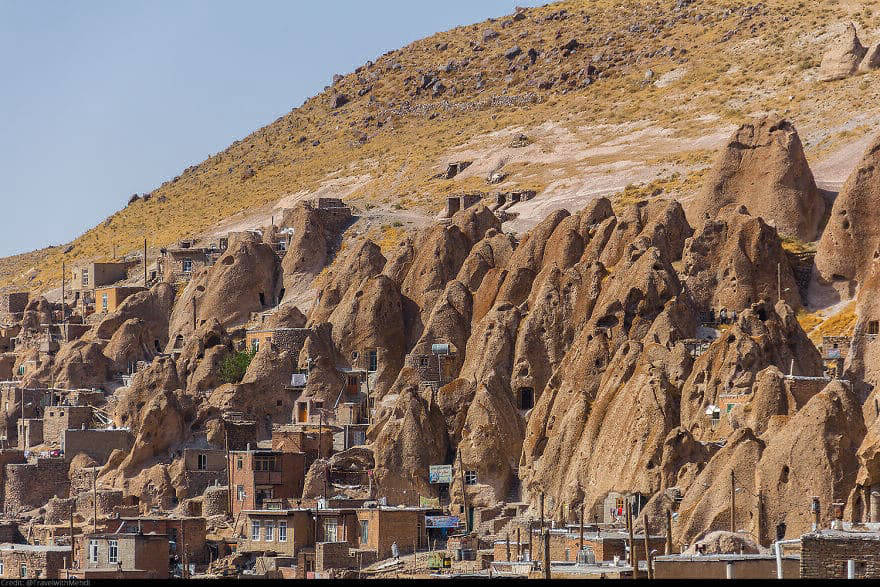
<point x="470" y="477"/>
<point x="282" y="531"/>
<point x="93" y="551"/>
<point x="113" y="556"/>
<point x="1" y="568"/>
<point x="202" y="462"/>
<point x="187" y="265"/>
<point x="23" y="571"/>
<point x="255" y="531"/>
<point x="270" y="531"/>
<point x="240" y="493"/>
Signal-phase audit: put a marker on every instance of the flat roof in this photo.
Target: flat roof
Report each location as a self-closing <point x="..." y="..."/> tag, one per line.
<point x="842" y="535"/>
<point x="705" y="558"/>
<point x="34" y="547"/>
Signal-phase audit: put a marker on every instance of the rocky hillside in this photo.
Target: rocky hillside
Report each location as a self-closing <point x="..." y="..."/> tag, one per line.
<point x="608" y="95"/>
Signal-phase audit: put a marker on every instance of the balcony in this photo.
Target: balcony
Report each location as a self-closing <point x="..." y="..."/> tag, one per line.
<point x="267" y="477"/>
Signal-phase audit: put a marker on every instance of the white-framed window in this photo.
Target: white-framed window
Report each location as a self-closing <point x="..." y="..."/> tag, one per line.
<point x="240" y="493"/>
<point x="270" y="531"/>
<point x="93" y="551"/>
<point x="255" y="530"/>
<point x="23" y="571"/>
<point x="187" y="265"/>
<point x="1" y="568"/>
<point x="255" y="345"/>
<point x="365" y="531"/>
<point x="282" y="531"/>
<point x="470" y="477"/>
<point x="104" y="302"/>
<point x="202" y="462"/>
<point x="85" y="276"/>
<point x="113" y="550"/>
<point x="330" y="529"/>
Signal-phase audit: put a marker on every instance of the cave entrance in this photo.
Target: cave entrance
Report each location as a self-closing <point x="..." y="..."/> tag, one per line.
<point x="526" y="398"/>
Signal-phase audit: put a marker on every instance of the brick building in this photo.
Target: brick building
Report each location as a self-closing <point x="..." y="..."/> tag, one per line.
<point x="314" y="441"/>
<point x="203" y="468"/>
<point x="379" y="528"/>
<point x="27" y="561"/>
<point x="184" y="533"/>
<point x="282" y="339"/>
<point x="717" y="566"/>
<point x="824" y="554"/>
<point x="258" y="475"/>
<point x="107" y="299"/>
<point x="122" y="556"/>
<point x="58" y="419"/>
<point x="89" y="276"/>
<point x="283" y="532"/>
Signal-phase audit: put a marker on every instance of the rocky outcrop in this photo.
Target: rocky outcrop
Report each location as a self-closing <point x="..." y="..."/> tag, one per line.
<point x="851" y="240"/>
<point x="763" y="167"/>
<point x="735" y="260"/>
<point x="245" y="279"/>
<point x="844" y="56"/>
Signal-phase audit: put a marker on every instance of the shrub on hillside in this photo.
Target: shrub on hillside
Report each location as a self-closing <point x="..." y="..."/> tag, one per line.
<point x="234" y="366"/>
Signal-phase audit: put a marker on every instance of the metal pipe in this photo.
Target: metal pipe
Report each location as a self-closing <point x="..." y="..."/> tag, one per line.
<point x="850" y="569"/>
<point x="778" y="551"/>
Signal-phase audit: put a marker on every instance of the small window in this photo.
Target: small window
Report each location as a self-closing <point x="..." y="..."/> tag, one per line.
<point x="423" y="362"/>
<point x="240" y="493"/>
<point x="203" y="462"/>
<point x="270" y="531"/>
<point x="282" y="531"/>
<point x="104" y="302"/>
<point x="23" y="571"/>
<point x="873" y="327"/>
<point x="255" y="345"/>
<point x="373" y="360"/>
<point x="255" y="531"/>
<point x="187" y="265"/>
<point x="239" y="463"/>
<point x="1" y="568"/>
<point x="85" y="276"/>
<point x="365" y="531"/>
<point x="470" y="477"/>
<point x="113" y="556"/>
<point x="93" y="551"/>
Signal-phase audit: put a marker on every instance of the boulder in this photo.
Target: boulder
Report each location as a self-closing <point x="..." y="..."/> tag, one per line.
<point x="843" y="57"/>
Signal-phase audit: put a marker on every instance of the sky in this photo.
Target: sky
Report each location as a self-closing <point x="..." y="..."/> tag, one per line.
<point x="103" y="99"/>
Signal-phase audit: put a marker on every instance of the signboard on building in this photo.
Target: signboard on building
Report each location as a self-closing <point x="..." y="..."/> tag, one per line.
<point x="440" y="474"/>
<point x="429" y="502"/>
<point x="442" y="522"/>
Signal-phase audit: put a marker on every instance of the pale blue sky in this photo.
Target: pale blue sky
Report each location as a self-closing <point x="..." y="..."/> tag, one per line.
<point x="100" y="100"/>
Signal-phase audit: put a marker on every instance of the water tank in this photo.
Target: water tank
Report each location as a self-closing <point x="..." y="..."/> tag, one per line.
<point x="440" y="349"/>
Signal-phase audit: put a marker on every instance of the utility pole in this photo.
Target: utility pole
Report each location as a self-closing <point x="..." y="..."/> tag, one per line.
<point x="647" y="548"/>
<point x="467" y="519"/>
<point x="63" y="273"/>
<point x="194" y="314"/>
<point x="759" y="518"/>
<point x="95" y="497"/>
<point x="668" y="531"/>
<point x="581" y="524"/>
<point x="507" y="545"/>
<point x="546" y="553"/>
<point x="779" y="280"/>
<point x="145" y="262"/>
<point x="732" y="502"/>
<point x="542" y="510"/>
<point x="518" y="545"/>
<point x="629" y="529"/>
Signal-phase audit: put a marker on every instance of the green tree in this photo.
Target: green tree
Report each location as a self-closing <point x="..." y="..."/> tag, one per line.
<point x="234" y="366"/>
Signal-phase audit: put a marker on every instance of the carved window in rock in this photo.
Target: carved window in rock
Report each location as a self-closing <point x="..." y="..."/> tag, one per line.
<point x="470" y="477"/>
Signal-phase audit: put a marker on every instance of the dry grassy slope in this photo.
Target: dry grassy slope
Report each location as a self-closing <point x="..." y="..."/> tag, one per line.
<point x="740" y="58"/>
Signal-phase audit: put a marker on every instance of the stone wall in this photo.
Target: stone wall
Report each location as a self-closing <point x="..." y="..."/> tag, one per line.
<point x="334" y="555"/>
<point x="824" y="555"/>
<point x="31" y="485"/>
<point x="215" y="501"/>
<point x="39" y="562"/>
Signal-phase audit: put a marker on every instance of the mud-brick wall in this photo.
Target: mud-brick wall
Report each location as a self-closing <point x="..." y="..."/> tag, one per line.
<point x="96" y="443"/>
<point x="240" y="434"/>
<point x="215" y="501"/>
<point x="31" y="485"/>
<point x="825" y="557"/>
